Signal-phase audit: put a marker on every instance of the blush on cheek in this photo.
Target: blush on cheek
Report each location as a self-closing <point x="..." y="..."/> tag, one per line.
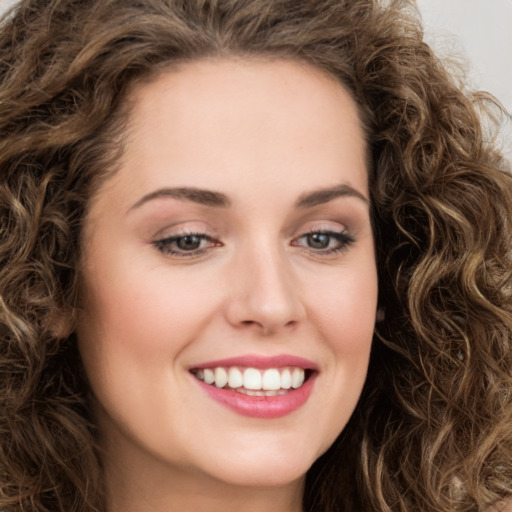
<point x="350" y="323"/>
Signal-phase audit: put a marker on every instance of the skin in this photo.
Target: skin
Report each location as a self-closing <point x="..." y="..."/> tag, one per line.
<point x="265" y="134"/>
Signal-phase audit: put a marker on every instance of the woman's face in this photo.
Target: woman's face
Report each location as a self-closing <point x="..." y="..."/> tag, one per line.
<point x="234" y="243"/>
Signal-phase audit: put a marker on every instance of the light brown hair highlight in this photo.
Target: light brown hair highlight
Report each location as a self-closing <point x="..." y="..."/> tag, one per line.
<point x="432" y="430"/>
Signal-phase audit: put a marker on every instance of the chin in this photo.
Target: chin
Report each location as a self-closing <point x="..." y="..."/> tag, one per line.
<point x="264" y="469"/>
<point x="264" y="476"/>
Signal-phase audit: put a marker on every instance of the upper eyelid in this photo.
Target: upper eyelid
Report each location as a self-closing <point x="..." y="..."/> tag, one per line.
<point x="211" y="234"/>
<point x="331" y="232"/>
<point x="323" y="228"/>
<point x="177" y="236"/>
<point x="183" y="235"/>
<point x="179" y="231"/>
<point x="164" y="245"/>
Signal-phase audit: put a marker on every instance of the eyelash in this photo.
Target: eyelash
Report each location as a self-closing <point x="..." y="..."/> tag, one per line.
<point x="344" y="239"/>
<point x="165" y="245"/>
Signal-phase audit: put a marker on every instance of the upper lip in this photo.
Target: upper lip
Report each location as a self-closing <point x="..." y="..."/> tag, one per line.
<point x="261" y="362"/>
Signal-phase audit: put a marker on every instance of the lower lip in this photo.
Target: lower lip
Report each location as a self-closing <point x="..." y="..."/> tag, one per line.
<point x="266" y="407"/>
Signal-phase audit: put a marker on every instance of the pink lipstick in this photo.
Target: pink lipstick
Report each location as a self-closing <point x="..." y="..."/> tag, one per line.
<point x="258" y="386"/>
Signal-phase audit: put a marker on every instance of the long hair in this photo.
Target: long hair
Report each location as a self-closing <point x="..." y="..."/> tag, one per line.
<point x="432" y="430"/>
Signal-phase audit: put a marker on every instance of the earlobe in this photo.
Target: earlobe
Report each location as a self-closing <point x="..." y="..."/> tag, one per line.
<point x="62" y="325"/>
<point x="381" y="315"/>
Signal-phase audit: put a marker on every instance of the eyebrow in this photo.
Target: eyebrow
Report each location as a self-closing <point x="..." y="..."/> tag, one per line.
<point x="195" y="195"/>
<point x="324" y="195"/>
<point x="220" y="200"/>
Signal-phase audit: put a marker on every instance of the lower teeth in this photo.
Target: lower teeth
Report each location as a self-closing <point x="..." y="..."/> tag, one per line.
<point x="250" y="392"/>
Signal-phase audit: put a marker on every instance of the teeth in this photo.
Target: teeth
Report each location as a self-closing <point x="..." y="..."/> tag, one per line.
<point x="297" y="378"/>
<point x="261" y="393"/>
<point x="209" y="376"/>
<point x="271" y="380"/>
<point x="252" y="381"/>
<point x="236" y="379"/>
<point x="286" y="379"/>
<point x="221" y="377"/>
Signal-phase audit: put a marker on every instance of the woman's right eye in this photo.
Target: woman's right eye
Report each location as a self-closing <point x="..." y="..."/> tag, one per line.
<point x="325" y="241"/>
<point x="189" y="244"/>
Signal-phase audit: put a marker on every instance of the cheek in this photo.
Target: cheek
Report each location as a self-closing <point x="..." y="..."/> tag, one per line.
<point x="131" y="336"/>
<point x="138" y="320"/>
<point x="345" y="312"/>
<point x="127" y="300"/>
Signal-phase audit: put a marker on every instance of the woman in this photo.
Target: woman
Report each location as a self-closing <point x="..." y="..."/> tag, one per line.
<point x="209" y="208"/>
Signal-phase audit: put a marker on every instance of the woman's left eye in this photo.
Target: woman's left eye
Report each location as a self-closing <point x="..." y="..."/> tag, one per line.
<point x="324" y="242"/>
<point x="321" y="242"/>
<point x="190" y="244"/>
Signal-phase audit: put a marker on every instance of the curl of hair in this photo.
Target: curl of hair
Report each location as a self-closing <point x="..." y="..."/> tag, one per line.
<point x="432" y="429"/>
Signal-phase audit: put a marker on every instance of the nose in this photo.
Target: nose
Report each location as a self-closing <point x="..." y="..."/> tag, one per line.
<point x="265" y="296"/>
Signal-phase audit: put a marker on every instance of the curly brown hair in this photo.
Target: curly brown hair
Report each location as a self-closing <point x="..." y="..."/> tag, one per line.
<point x="432" y="430"/>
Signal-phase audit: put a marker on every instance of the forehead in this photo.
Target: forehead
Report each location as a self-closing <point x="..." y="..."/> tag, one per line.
<point x="200" y="93"/>
<point x="228" y="119"/>
<point x="229" y="79"/>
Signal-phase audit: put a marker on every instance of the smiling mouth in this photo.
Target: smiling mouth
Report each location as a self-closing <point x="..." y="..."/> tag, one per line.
<point x="254" y="381"/>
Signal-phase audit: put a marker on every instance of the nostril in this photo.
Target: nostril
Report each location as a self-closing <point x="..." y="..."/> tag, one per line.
<point x="267" y="327"/>
<point x="262" y="308"/>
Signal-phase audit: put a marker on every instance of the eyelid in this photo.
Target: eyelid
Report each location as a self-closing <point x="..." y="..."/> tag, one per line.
<point x="164" y="243"/>
<point x="168" y="229"/>
<point x="343" y="236"/>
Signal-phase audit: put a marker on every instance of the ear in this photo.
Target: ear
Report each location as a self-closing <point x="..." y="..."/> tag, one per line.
<point x="62" y="324"/>
<point x="381" y="315"/>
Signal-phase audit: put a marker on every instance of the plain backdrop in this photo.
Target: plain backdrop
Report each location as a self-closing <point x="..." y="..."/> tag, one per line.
<point x="478" y="33"/>
<point x="478" y="30"/>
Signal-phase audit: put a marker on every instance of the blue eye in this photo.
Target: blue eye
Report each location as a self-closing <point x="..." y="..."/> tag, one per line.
<point x="189" y="244"/>
<point x="324" y="242"/>
<point x="320" y="242"/>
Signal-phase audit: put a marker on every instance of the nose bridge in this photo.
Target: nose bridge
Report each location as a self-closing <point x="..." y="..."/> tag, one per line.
<point x="265" y="293"/>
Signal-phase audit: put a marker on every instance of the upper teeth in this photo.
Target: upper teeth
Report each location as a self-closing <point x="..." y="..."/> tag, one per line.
<point x="272" y="379"/>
